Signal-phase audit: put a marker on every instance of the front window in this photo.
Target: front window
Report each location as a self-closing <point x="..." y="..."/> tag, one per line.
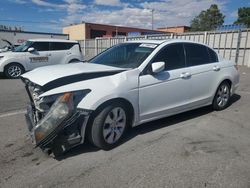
<point x="172" y="55"/>
<point x="23" y="47"/>
<point x="126" y="55"/>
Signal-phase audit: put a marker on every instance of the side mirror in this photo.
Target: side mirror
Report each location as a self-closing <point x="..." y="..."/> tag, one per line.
<point x="158" y="67"/>
<point x="31" y="49"/>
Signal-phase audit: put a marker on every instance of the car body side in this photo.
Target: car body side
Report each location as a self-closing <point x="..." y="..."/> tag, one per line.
<point x="22" y="58"/>
<point x="126" y="86"/>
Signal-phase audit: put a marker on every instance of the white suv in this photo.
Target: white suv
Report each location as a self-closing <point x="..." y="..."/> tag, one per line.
<point x="39" y="52"/>
<point x="127" y="85"/>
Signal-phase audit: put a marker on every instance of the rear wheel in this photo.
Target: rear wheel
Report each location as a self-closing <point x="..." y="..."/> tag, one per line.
<point x="222" y="96"/>
<point x="109" y="126"/>
<point x="13" y="70"/>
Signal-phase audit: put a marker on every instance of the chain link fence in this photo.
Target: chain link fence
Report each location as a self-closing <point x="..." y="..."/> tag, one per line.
<point x="232" y="45"/>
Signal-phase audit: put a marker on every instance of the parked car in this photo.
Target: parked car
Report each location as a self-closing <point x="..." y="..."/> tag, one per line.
<point x="126" y="85"/>
<point x="39" y="52"/>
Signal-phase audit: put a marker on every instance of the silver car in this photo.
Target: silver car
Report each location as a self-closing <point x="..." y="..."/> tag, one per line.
<point x="127" y="85"/>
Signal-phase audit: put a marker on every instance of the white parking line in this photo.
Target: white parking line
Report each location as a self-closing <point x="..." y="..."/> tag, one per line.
<point x="12" y="113"/>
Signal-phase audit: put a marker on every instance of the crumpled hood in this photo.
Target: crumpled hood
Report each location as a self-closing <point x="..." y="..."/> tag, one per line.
<point x="58" y="75"/>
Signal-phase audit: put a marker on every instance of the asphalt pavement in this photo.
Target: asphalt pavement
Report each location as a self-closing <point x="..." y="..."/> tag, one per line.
<point x="200" y="148"/>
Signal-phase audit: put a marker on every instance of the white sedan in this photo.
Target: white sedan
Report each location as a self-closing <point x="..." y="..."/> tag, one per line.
<point x="127" y="85"/>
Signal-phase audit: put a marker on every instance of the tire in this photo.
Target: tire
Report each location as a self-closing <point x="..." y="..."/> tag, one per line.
<point x="74" y="60"/>
<point x="222" y="96"/>
<point x="13" y="70"/>
<point x="107" y="131"/>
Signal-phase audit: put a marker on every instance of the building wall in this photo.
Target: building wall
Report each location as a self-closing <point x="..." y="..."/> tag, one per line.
<point x="181" y="29"/>
<point x="83" y="31"/>
<point x="75" y="32"/>
<point x="110" y="30"/>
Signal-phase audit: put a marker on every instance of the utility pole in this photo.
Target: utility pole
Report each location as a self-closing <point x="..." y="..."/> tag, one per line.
<point x="152" y="19"/>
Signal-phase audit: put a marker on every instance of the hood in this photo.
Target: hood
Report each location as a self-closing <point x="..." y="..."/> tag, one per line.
<point x="4" y="52"/>
<point x="11" y="54"/>
<point x="50" y="77"/>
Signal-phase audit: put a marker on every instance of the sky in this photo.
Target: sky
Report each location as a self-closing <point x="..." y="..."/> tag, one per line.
<point x="51" y="16"/>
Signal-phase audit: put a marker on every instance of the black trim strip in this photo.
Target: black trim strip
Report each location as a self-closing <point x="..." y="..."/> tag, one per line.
<point x="76" y="78"/>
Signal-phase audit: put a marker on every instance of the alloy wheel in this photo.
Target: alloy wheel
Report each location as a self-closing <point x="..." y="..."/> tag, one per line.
<point x="14" y="71"/>
<point x="223" y="95"/>
<point x="114" y="125"/>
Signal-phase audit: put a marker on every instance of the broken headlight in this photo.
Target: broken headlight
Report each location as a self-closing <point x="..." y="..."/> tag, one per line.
<point x="62" y="108"/>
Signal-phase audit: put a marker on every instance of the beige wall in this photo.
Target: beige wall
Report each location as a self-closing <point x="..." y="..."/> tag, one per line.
<point x="75" y="32"/>
<point x="83" y="31"/>
<point x="174" y="29"/>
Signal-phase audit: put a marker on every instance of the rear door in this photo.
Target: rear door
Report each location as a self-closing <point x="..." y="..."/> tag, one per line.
<point x="60" y="52"/>
<point x="39" y="57"/>
<point x="204" y="68"/>
<point x="167" y="92"/>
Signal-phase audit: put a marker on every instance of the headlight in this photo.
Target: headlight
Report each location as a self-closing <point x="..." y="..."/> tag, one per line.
<point x="60" y="110"/>
<point x="1" y="57"/>
<point x="44" y="103"/>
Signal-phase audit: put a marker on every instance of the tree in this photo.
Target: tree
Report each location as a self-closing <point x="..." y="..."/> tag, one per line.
<point x="243" y="16"/>
<point x="208" y="19"/>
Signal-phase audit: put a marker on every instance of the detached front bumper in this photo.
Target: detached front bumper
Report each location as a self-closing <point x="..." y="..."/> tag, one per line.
<point x="68" y="134"/>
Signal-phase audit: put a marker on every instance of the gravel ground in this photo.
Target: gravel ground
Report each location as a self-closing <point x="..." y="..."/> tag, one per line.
<point x="200" y="148"/>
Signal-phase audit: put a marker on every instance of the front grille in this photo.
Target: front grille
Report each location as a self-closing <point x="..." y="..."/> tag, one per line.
<point x="33" y="92"/>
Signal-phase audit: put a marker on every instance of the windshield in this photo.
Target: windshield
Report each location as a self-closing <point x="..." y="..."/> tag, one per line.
<point x="126" y="55"/>
<point x="23" y="47"/>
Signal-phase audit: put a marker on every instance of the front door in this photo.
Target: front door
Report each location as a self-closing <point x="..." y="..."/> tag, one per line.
<point x="39" y="57"/>
<point x="167" y="92"/>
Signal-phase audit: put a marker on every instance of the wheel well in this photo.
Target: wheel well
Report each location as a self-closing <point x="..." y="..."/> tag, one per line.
<point x="14" y="63"/>
<point x="73" y="60"/>
<point x="228" y="81"/>
<point x="128" y="105"/>
<point x="103" y="105"/>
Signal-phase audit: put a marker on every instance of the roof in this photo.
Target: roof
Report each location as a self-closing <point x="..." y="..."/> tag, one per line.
<point x="164" y="41"/>
<point x="147" y="41"/>
<point x="31" y="32"/>
<point x="109" y="25"/>
<point x="174" y="27"/>
<point x="51" y="40"/>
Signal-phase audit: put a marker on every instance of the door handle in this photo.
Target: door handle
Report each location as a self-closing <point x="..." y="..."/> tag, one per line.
<point x="48" y="54"/>
<point x="216" y="68"/>
<point x="185" y="75"/>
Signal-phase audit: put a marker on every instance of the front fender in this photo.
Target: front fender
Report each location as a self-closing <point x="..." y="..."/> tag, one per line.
<point x="5" y="62"/>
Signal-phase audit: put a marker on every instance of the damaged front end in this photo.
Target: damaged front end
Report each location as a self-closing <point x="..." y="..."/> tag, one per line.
<point x="54" y="121"/>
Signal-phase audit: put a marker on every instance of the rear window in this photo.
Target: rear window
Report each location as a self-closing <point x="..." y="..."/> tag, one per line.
<point x="61" y="45"/>
<point x="212" y="55"/>
<point x="40" y="46"/>
<point x="196" y="54"/>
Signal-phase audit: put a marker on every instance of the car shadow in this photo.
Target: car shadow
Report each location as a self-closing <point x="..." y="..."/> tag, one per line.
<point x="147" y="127"/>
<point x="2" y="77"/>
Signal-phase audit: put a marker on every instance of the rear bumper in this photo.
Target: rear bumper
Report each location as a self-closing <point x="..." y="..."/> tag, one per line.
<point x="234" y="88"/>
<point x="67" y="135"/>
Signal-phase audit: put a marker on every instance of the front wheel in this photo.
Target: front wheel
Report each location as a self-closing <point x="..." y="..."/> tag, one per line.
<point x="13" y="70"/>
<point x="222" y="96"/>
<point x="109" y="126"/>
